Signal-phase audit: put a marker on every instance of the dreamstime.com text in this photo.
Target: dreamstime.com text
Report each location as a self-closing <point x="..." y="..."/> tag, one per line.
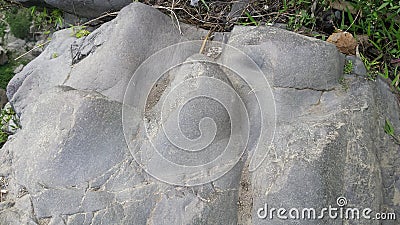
<point x="331" y="212"/>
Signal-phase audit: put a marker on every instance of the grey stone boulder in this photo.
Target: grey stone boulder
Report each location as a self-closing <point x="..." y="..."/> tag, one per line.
<point x="290" y="60"/>
<point x="79" y="171"/>
<point x="103" y="61"/>
<point x="88" y="9"/>
<point x="77" y="161"/>
<point x="329" y="139"/>
<point x="69" y="130"/>
<point x="18" y="68"/>
<point x="171" y="111"/>
<point x="46" y="67"/>
<point x="358" y="65"/>
<point x="73" y="175"/>
<point x="17" y="46"/>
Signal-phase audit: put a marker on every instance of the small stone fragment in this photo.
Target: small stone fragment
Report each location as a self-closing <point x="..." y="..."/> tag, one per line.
<point x="344" y="41"/>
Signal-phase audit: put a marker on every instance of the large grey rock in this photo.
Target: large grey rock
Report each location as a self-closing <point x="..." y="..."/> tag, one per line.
<point x="17" y="46"/>
<point x="103" y="61"/>
<point x="326" y="143"/>
<point x="76" y="161"/>
<point x="289" y="60"/>
<point x="88" y="9"/>
<point x="175" y="122"/>
<point x="81" y="172"/>
<point x="78" y="175"/>
<point x="44" y="67"/>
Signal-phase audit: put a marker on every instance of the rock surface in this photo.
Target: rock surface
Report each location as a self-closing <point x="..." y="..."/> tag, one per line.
<point x="324" y="147"/>
<point x="74" y="67"/>
<point x="75" y="161"/>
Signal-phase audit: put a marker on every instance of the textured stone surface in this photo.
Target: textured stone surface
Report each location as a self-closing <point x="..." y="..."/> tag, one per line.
<point x="80" y="170"/>
<point x="329" y="138"/>
<point x="104" y="72"/>
<point x="358" y="66"/>
<point x="20" y="89"/>
<point x="70" y="162"/>
<point x="290" y="60"/>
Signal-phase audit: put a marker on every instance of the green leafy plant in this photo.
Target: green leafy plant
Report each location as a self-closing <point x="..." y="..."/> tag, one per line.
<point x="253" y="21"/>
<point x="348" y="67"/>
<point x="19" y="21"/>
<point x="7" y="71"/>
<point x="389" y="129"/>
<point x="396" y="79"/>
<point x="377" y="22"/>
<point x="344" y="83"/>
<point x="320" y="36"/>
<point x="44" y="19"/>
<point x="79" y="31"/>
<point x="6" y="74"/>
<point x="205" y="4"/>
<point x="3" y="27"/>
<point x="371" y="66"/>
<point x="249" y="20"/>
<point x="385" y="72"/>
<point x="299" y="14"/>
<point x="302" y="19"/>
<point x="56" y="18"/>
<point x="380" y="21"/>
<point x="9" y="122"/>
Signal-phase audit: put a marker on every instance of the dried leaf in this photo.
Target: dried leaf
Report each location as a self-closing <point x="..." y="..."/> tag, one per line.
<point x="344" y="41"/>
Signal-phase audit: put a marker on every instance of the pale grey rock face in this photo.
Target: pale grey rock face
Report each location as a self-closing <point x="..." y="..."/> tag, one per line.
<point x="326" y="143"/>
<point x="73" y="162"/>
<point x="290" y="60"/>
<point x="20" y="89"/>
<point x="100" y="72"/>
<point x="16" y="45"/>
<point x="81" y="172"/>
<point x="358" y="66"/>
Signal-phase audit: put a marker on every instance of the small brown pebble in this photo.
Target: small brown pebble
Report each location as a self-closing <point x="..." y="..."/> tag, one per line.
<point x="344" y="41"/>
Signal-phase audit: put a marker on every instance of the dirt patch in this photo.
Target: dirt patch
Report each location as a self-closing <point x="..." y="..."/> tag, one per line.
<point x="245" y="201"/>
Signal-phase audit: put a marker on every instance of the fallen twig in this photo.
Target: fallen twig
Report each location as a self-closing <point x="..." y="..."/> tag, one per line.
<point x="100" y="17"/>
<point x="358" y="13"/>
<point x="203" y="45"/>
<point x="173" y="15"/>
<point x="36" y="47"/>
